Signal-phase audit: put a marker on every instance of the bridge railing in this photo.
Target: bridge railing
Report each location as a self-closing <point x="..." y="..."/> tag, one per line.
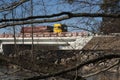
<point x="63" y="34"/>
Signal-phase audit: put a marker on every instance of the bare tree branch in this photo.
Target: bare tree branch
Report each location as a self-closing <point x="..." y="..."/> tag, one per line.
<point x="80" y="28"/>
<point x="110" y="56"/>
<point x="52" y="18"/>
<point x="13" y="5"/>
<point x="67" y="15"/>
<point x="102" y="70"/>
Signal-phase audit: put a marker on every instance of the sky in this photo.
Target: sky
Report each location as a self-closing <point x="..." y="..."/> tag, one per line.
<point x="47" y="7"/>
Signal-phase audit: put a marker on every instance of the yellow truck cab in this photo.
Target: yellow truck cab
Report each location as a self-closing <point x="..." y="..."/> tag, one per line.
<point x="58" y="28"/>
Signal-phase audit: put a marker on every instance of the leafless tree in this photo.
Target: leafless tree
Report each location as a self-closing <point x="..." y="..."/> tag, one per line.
<point x="84" y="14"/>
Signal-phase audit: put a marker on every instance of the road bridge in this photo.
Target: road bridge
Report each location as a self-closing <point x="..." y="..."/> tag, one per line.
<point x="75" y="42"/>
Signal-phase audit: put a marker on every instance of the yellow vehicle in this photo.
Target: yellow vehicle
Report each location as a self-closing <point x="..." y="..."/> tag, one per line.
<point x="58" y="28"/>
